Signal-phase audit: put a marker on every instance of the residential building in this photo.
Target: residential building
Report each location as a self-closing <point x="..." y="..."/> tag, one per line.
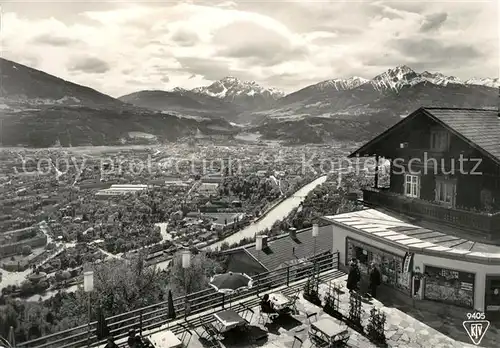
<point x="280" y="252"/>
<point x="445" y="168"/>
<point x="208" y="189"/>
<point x="117" y="190"/>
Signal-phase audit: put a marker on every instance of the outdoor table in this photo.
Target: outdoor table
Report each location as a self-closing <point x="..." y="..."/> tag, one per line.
<point x="228" y="320"/>
<point x="279" y="301"/>
<point x="328" y="330"/>
<point x="165" y="339"/>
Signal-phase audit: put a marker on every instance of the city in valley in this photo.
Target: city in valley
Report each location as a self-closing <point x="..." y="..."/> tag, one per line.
<point x="234" y="174"/>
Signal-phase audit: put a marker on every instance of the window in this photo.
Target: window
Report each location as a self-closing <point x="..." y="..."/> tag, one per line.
<point x="486" y="198"/>
<point x="412" y="188"/>
<point x="361" y="255"/>
<point x="445" y="192"/>
<point x="439" y="140"/>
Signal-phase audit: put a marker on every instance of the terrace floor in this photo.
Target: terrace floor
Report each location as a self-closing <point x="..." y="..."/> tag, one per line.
<point x="402" y="329"/>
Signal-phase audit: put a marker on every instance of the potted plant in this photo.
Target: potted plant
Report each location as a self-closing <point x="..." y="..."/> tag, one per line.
<point x="331" y="306"/>
<point x="311" y="292"/>
<point x="375" y="328"/>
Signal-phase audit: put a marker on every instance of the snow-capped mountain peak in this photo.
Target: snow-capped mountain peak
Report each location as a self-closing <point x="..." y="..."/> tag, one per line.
<point x="232" y="89"/>
<point x="485" y="81"/>
<point x="342" y="84"/>
<point x="178" y="90"/>
<point x="439" y="79"/>
<point x="394" y="78"/>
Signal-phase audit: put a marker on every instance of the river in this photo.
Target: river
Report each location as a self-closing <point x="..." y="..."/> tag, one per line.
<point x="279" y="212"/>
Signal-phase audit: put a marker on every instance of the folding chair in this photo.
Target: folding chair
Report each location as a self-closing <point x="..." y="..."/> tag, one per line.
<point x="310" y="315"/>
<point x="299" y="340"/>
<point x="186" y="337"/>
<point x="266" y="318"/>
<point x="318" y="342"/>
<point x="209" y="331"/>
<point x="245" y="311"/>
<point x="293" y="304"/>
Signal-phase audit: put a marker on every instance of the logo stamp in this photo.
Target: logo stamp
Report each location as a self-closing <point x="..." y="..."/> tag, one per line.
<point x="476" y="326"/>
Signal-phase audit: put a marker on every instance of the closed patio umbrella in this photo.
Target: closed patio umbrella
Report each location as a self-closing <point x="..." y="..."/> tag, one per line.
<point x="171" y="308"/>
<point x="102" y="327"/>
<point x="12" y="337"/>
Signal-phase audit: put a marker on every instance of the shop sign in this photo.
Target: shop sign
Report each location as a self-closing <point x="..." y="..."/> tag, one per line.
<point x="407" y="262"/>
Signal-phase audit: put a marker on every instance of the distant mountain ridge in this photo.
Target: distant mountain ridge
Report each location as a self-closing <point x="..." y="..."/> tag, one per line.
<point x="40" y="110"/>
<point x="340" y="108"/>
<point x="345" y="107"/>
<point x="244" y="93"/>
<point x="24" y="85"/>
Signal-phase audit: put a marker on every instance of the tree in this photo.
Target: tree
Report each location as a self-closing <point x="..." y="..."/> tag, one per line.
<point x="121" y="286"/>
<point x="193" y="279"/>
<point x="26" y="250"/>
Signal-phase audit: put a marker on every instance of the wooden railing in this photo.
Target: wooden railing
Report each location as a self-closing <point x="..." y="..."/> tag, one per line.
<point x="156" y="315"/>
<point x="481" y="222"/>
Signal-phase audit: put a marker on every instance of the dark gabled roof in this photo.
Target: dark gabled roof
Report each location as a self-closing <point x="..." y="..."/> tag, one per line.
<point x="480" y="128"/>
<point x="284" y="248"/>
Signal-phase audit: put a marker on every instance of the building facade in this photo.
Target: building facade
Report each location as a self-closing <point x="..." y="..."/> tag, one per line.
<point x="445" y="168"/>
<point x="433" y="228"/>
<point x="453" y="271"/>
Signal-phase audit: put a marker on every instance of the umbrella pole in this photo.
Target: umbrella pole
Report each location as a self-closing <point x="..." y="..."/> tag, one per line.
<point x="90" y="313"/>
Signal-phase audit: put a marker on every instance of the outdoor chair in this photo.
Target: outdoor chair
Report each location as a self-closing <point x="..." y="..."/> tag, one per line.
<point x="293" y="304"/>
<point x="318" y="342"/>
<point x="342" y="339"/>
<point x="311" y="315"/>
<point x="297" y="340"/>
<point x="209" y="330"/>
<point x="186" y="337"/>
<point x="245" y="312"/>
<point x="267" y="315"/>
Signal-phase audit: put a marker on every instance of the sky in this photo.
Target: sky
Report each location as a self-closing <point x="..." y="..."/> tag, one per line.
<point x="120" y="47"/>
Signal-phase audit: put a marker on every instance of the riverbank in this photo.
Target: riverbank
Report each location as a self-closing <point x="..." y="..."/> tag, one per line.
<point x="277" y="213"/>
<point x="281" y="200"/>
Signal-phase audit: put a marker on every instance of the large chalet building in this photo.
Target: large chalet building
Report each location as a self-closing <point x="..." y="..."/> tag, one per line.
<point x="433" y="227"/>
<point x="445" y="168"/>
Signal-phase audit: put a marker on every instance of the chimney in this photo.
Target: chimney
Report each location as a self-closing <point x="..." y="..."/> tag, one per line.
<point x="293" y="233"/>
<point x="264" y="241"/>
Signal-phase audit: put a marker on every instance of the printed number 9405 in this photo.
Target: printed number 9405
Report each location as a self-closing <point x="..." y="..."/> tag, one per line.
<point x="476" y="316"/>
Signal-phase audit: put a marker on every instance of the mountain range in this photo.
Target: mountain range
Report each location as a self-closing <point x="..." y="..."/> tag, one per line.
<point x="349" y="108"/>
<point x="39" y="109"/>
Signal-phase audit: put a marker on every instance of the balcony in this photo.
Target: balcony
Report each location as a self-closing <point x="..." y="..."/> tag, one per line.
<point x="484" y="223"/>
<point x="195" y="308"/>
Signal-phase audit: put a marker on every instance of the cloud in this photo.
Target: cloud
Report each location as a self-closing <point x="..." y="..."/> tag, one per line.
<point x="54" y="40"/>
<point x="277" y="43"/>
<point x="429" y="50"/>
<point x="262" y="45"/>
<point x="184" y="37"/>
<point x="433" y="21"/>
<point x="210" y="69"/>
<point x="90" y="65"/>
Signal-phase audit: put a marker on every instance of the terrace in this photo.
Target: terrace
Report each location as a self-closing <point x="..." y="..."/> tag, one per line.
<point x="192" y="310"/>
<point x="297" y="329"/>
